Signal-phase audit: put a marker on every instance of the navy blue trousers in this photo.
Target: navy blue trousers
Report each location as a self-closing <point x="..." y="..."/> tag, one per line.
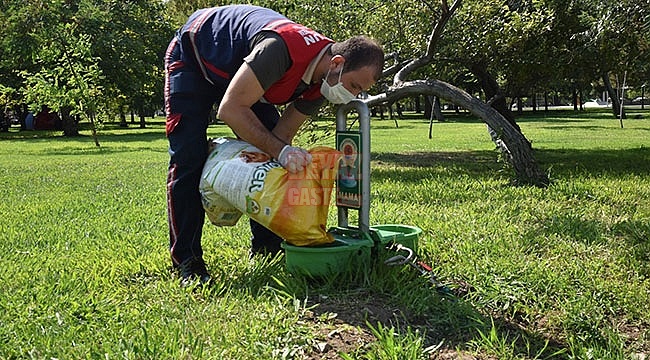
<point x="189" y="99"/>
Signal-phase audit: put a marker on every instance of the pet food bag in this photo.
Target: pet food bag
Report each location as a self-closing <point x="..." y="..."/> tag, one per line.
<point x="240" y="179"/>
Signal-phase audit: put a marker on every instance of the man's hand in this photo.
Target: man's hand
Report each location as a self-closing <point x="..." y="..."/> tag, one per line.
<point x="294" y="159"/>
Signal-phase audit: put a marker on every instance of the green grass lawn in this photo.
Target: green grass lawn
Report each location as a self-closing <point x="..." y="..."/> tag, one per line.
<point x="561" y="272"/>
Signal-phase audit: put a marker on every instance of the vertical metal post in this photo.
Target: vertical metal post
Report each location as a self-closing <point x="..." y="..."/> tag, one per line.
<point x="364" y="129"/>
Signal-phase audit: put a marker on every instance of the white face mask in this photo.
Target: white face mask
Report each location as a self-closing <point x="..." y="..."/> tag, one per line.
<point x="336" y="94"/>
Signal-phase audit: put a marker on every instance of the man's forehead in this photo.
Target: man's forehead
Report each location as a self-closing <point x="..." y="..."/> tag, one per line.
<point x="364" y="77"/>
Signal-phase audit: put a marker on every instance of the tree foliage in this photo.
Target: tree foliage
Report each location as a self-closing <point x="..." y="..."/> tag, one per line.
<point x="84" y="55"/>
<point x="93" y="56"/>
<point x="525" y="45"/>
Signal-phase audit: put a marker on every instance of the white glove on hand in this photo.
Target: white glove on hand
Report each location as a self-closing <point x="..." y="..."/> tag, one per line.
<point x="294" y="159"/>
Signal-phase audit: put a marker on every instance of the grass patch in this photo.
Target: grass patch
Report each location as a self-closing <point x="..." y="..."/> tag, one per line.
<point x="561" y="272"/>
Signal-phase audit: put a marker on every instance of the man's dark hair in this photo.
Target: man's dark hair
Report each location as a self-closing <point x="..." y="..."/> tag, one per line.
<point x="360" y="51"/>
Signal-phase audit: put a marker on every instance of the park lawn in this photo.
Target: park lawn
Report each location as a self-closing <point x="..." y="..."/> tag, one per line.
<point x="561" y="272"/>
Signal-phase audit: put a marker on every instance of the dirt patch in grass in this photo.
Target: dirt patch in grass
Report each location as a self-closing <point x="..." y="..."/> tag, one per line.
<point x="340" y="325"/>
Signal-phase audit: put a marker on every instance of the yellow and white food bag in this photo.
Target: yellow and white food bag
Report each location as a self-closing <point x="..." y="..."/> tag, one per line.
<point x="240" y="179"/>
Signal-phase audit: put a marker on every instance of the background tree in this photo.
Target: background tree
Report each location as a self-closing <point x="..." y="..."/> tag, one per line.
<point x="616" y="38"/>
<point x="129" y="39"/>
<point x="497" y="51"/>
<point x="117" y="47"/>
<point x="16" y="48"/>
<point x="68" y="80"/>
<point x="62" y="74"/>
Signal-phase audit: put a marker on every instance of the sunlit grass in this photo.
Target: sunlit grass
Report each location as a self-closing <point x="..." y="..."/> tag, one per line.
<point x="561" y="272"/>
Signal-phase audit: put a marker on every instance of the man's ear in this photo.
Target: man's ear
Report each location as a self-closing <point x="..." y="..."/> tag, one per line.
<point x="336" y="63"/>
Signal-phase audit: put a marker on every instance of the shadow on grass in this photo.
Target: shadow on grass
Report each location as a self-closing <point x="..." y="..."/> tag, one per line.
<point x="596" y="162"/>
<point x="577" y="127"/>
<point x="552" y="115"/>
<point x="54" y="143"/>
<point x="111" y="143"/>
<point x="38" y="135"/>
<point x="412" y="167"/>
<point x="559" y="162"/>
<point x="638" y="234"/>
<point x="634" y="233"/>
<point x="109" y="138"/>
<point x="434" y="158"/>
<point x="563" y="115"/>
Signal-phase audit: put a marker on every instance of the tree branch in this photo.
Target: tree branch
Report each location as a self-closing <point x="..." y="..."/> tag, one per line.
<point x="436" y="33"/>
<point x="393" y="69"/>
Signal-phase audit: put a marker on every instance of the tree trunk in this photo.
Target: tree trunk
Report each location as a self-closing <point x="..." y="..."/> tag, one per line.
<point x="70" y="124"/>
<point x="22" y="111"/>
<point x="545" y="101"/>
<point x="437" y="111"/>
<point x="519" y="150"/>
<point x="123" y="122"/>
<point x="5" y="122"/>
<point x="428" y="107"/>
<point x="616" y="102"/>
<point x="581" y="100"/>
<point x="493" y="93"/>
<point x="141" y="113"/>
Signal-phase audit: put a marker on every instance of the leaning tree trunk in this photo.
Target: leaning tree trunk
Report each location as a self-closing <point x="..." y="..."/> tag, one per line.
<point x="520" y="152"/>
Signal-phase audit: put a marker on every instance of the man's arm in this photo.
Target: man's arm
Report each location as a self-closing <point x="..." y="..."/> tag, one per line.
<point x="235" y="110"/>
<point x="289" y="124"/>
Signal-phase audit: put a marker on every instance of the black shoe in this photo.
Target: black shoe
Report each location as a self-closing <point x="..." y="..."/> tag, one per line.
<point x="192" y="270"/>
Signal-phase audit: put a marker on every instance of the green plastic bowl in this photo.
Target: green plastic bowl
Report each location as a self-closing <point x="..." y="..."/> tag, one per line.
<point x="405" y="235"/>
<point x="344" y="254"/>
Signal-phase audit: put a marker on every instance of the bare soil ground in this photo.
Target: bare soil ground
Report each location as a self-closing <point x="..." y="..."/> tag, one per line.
<point x="341" y="325"/>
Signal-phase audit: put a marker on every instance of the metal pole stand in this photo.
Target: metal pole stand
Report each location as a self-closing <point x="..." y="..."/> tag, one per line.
<point x="354" y="247"/>
<point x="353" y="181"/>
<point x="353" y="185"/>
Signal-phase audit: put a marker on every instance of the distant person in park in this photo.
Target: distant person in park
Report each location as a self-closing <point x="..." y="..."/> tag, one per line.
<point x="248" y="59"/>
<point x="46" y="119"/>
<point x="29" y="121"/>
